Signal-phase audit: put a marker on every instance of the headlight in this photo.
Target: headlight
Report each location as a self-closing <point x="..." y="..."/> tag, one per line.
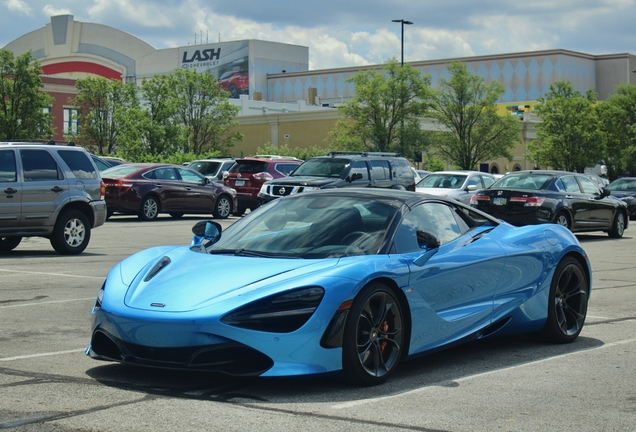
<point x="98" y="301"/>
<point x="310" y="188"/>
<point x="280" y="313"/>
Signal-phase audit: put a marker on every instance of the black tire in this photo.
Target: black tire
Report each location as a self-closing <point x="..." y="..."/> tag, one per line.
<point x="149" y="209"/>
<point x="373" y="336"/>
<point x="567" y="303"/>
<point x="563" y="219"/>
<point x="222" y="207"/>
<point x="174" y="215"/>
<point x="618" y="225"/>
<point x="71" y="233"/>
<point x="233" y="92"/>
<point x="7" y="244"/>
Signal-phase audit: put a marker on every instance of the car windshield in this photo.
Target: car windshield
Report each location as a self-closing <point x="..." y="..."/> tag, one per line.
<point x="531" y="181"/>
<point x="206" y="168"/>
<point x="333" y="168"/>
<point x="310" y="227"/>
<point x="443" y="181"/>
<point x="623" y="185"/>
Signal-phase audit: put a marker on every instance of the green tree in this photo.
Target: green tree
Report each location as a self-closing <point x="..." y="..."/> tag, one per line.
<point x="204" y="109"/>
<point x="385" y="111"/>
<point x="570" y="136"/>
<point x="22" y="103"/>
<point x="618" y="118"/>
<point x="471" y="131"/>
<point x="103" y="106"/>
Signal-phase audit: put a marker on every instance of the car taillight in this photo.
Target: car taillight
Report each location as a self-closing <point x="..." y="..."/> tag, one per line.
<point x="528" y="201"/>
<point x="102" y="190"/>
<point x="476" y="198"/>
<point x="263" y="176"/>
<point x="119" y="184"/>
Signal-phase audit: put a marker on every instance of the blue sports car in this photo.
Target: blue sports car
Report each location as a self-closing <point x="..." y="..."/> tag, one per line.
<point x="347" y="281"/>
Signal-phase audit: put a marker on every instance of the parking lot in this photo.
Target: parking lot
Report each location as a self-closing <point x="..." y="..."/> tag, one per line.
<point x="508" y="384"/>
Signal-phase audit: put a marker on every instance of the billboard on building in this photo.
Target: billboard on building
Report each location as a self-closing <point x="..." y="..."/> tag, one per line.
<point x="228" y="62"/>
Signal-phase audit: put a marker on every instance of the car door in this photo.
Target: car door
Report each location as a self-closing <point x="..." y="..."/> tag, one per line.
<point x="44" y="189"/>
<point x="198" y="198"/>
<point x="10" y="192"/>
<point x="169" y="187"/>
<point x="451" y="289"/>
<point x="600" y="210"/>
<point x="576" y="201"/>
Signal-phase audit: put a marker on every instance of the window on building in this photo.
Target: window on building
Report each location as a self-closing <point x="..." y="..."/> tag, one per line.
<point x="71" y="121"/>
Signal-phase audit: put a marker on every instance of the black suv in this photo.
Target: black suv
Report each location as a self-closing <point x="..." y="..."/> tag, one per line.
<point x="343" y="169"/>
<point x="51" y="191"/>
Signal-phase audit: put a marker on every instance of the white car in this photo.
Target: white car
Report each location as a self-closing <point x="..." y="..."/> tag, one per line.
<point x="459" y="185"/>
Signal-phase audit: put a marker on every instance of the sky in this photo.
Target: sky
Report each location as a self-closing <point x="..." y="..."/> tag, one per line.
<point x="353" y="32"/>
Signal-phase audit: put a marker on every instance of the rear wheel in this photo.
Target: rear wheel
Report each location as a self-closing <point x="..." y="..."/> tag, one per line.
<point x="618" y="227"/>
<point x="222" y="207"/>
<point x="149" y="209"/>
<point x="71" y="234"/>
<point x="567" y="303"/>
<point x="7" y="244"/>
<point x="373" y="336"/>
<point x="562" y="219"/>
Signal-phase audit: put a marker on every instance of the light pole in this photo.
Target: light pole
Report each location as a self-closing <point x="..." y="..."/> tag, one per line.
<point x="402" y="46"/>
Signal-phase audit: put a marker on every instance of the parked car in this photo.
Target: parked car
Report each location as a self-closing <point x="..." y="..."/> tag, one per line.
<point x="459" y="185"/>
<point x="114" y="160"/>
<point x="49" y="191"/>
<point x="248" y="175"/>
<point x="100" y="163"/>
<point x="349" y="281"/>
<point x="625" y="189"/>
<point x="343" y="169"/>
<point x="212" y="168"/>
<point x="237" y="82"/>
<point x="560" y="197"/>
<point x="422" y="173"/>
<point x="148" y="189"/>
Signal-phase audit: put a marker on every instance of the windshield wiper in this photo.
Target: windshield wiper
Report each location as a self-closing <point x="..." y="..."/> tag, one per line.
<point x="250" y="253"/>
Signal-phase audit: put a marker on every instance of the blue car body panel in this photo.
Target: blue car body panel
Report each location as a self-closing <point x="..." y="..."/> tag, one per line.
<point x="466" y="289"/>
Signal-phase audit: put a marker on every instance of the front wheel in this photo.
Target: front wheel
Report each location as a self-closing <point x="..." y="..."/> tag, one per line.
<point x="618" y="227"/>
<point x="7" y="244"/>
<point x="71" y="233"/>
<point x="222" y="207"/>
<point x="373" y="337"/>
<point x="149" y="209"/>
<point x="567" y="303"/>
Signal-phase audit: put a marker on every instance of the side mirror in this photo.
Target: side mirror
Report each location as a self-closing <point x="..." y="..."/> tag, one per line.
<point x="471" y="188"/>
<point x="354" y="177"/>
<point x="427" y="240"/>
<point x="605" y="192"/>
<point x="206" y="230"/>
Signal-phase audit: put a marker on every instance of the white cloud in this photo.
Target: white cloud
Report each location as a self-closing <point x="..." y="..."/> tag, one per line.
<point x="18" y="6"/>
<point x="52" y="11"/>
<point x="147" y="14"/>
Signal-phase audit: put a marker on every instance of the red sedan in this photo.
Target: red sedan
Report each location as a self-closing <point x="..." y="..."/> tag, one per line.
<point x="147" y="189"/>
<point x="237" y="82"/>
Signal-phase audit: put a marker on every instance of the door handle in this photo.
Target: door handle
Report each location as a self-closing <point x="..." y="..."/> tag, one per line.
<point x="57" y="189"/>
<point x="10" y="191"/>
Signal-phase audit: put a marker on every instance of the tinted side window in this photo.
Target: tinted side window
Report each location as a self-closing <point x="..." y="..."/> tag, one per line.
<point x="190" y="176"/>
<point x="381" y="170"/>
<point x="570" y="184"/>
<point x="79" y="164"/>
<point x="7" y="166"/>
<point x="474" y="181"/>
<point x="39" y="165"/>
<point x="487" y="181"/>
<point x="588" y="186"/>
<point x="402" y="169"/>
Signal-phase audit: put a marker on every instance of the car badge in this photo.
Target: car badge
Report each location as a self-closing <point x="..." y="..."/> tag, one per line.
<point x="281" y="191"/>
<point x="238" y="175"/>
<point x="157" y="305"/>
<point x="499" y="192"/>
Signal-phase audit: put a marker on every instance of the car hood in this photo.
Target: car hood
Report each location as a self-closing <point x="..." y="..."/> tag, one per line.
<point x="305" y="181"/>
<point x="179" y="280"/>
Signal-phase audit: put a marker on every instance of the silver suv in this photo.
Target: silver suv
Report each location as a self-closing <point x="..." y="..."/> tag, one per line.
<point x="49" y="191"/>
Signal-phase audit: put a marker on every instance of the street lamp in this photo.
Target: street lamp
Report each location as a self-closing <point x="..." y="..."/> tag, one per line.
<point x="407" y="23"/>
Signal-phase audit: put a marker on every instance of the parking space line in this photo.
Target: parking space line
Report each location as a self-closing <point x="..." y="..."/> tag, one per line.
<point x="48" y="302"/>
<point x="51" y="274"/>
<point x="42" y="354"/>
<point x="479" y="375"/>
